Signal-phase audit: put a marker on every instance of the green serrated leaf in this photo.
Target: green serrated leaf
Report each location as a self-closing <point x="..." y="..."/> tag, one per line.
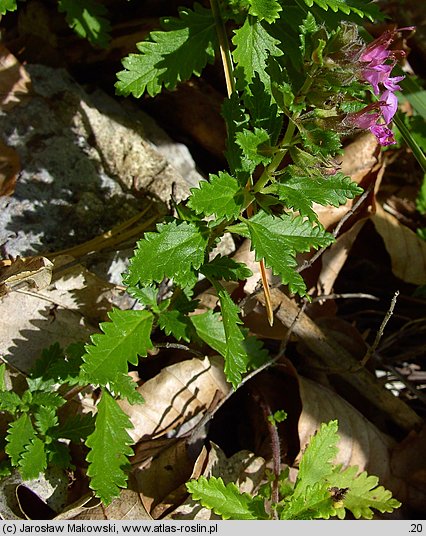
<point x="174" y="251"/>
<point x="45" y="418"/>
<point x="19" y="435"/>
<point x="253" y="45"/>
<point x="109" y="447"/>
<point x="236" y="357"/>
<point x="268" y="10"/>
<point x="255" y="146"/>
<point x="76" y="428"/>
<point x="125" y="387"/>
<point x="146" y="295"/>
<point x="314" y="503"/>
<point x="363" y="493"/>
<point x="277" y="239"/>
<point x="7" y="5"/>
<point x="221" y="195"/>
<point x="49" y="357"/>
<point x="58" y="454"/>
<point x="263" y="110"/>
<point x="226" y="268"/>
<point x="171" y="56"/>
<point x="41" y="398"/>
<point x="316" y="463"/>
<point x="359" y="7"/>
<point x="9" y="401"/>
<point x="225" y="500"/>
<point x="125" y="338"/>
<point x="236" y="120"/>
<point x="301" y="192"/>
<point x="33" y="460"/>
<point x="319" y="141"/>
<point x="210" y="329"/>
<point x="56" y="366"/>
<point x="87" y="19"/>
<point x="175" y="323"/>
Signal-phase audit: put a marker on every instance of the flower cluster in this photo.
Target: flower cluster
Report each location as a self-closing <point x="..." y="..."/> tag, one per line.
<point x="377" y="62"/>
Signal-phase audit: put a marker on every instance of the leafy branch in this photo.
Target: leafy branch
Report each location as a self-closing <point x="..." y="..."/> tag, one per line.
<point x="322" y="489"/>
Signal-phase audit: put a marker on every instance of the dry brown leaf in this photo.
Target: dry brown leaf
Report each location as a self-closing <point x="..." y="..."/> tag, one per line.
<point x="244" y="468"/>
<point x="406" y="249"/>
<point x="10" y="166"/>
<point x="34" y="273"/>
<point x="15" y="82"/>
<point x="334" y="258"/>
<point x="160" y="480"/>
<point x="408" y="464"/>
<point x="361" y="443"/>
<point x="68" y="311"/>
<point x="176" y="395"/>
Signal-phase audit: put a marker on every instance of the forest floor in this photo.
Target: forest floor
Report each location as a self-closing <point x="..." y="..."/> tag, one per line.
<point x="368" y="290"/>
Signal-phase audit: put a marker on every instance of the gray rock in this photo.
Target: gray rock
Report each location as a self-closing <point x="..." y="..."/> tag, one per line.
<point x="87" y="165"/>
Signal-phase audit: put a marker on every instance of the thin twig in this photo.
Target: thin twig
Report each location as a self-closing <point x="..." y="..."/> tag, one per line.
<point x="177" y="346"/>
<point x="346" y="295"/>
<point x="275" y="445"/>
<point x="379" y="335"/>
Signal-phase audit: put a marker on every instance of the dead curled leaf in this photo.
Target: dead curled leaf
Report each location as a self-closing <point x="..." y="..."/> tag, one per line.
<point x="15" y="82"/>
<point x="10" y="167"/>
<point x="177" y="394"/>
<point x="361" y="443"/>
<point x="406" y="249"/>
<point x="35" y="273"/>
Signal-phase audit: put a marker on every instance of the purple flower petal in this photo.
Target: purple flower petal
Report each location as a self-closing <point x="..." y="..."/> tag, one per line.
<point x="376" y="75"/>
<point x="391" y="83"/>
<point x="383" y="134"/>
<point x="388" y="105"/>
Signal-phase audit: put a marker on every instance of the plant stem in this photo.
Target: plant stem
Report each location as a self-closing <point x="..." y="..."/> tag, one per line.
<point x="225" y="52"/>
<point x="228" y="69"/>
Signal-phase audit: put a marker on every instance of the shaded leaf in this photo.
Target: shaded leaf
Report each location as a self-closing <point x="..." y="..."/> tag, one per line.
<point x="255" y="146"/>
<point x="184" y="48"/>
<point x="315" y="502"/>
<point x="76" y="427"/>
<point x="225" y="268"/>
<point x="175" y="323"/>
<point x="87" y="18"/>
<point x="9" y="401"/>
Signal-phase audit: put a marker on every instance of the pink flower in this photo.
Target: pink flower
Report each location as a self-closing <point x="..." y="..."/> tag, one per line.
<point x="388" y="105"/>
<point x="379" y="62"/>
<point x="383" y="134"/>
<point x="376" y="75"/>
